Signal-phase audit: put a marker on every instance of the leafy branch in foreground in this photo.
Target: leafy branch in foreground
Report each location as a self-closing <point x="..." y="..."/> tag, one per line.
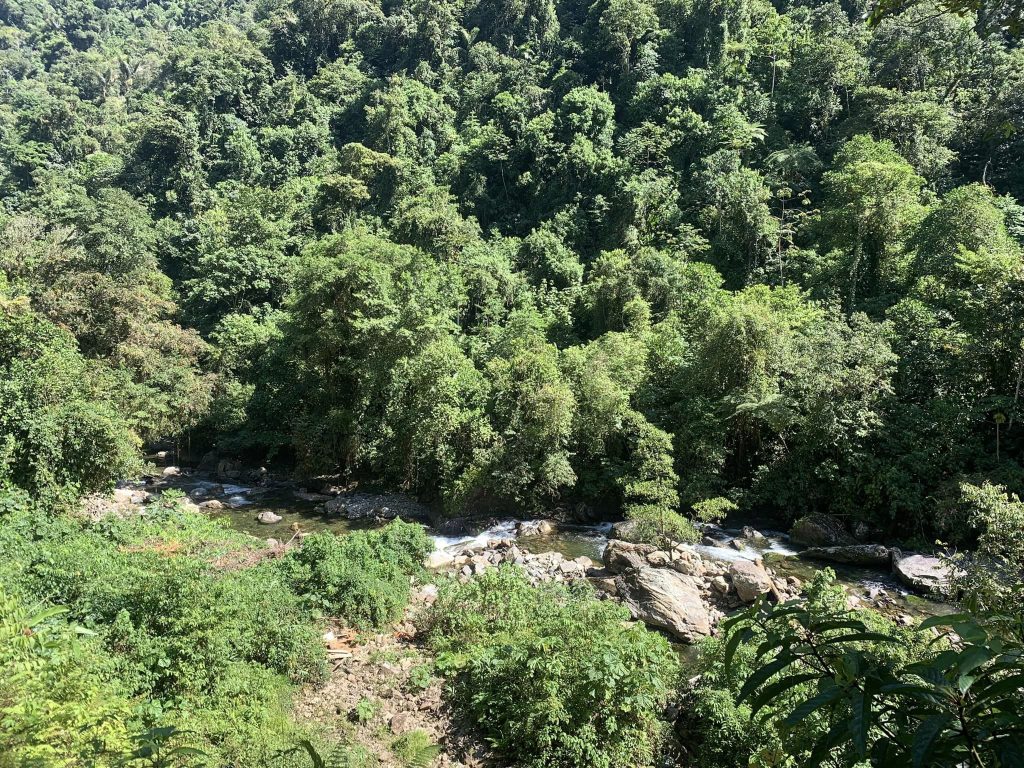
<point x="959" y="705"/>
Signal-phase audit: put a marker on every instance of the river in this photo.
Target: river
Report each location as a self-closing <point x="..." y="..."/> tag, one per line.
<point x="243" y="503"/>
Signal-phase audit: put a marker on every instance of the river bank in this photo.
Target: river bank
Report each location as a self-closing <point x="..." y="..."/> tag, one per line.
<point x="279" y="510"/>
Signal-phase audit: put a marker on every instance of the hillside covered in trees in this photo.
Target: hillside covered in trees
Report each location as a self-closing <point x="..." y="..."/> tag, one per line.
<point x="655" y="259"/>
<point x="632" y="254"/>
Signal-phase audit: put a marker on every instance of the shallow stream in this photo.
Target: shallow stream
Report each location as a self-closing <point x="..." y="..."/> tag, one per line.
<point x="870" y="585"/>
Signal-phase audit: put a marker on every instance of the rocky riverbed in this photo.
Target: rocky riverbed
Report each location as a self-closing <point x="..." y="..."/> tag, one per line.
<point x="717" y="570"/>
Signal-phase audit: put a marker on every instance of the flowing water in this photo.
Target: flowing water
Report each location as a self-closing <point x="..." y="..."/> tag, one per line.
<point x="244" y="503"/>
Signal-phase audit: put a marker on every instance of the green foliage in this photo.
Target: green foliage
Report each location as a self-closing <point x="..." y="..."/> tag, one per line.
<point x="364" y="710"/>
<point x="362" y="577"/>
<point x="415" y="749"/>
<point x="714" y="510"/>
<point x="56" y="708"/>
<point x="420" y="677"/>
<point x="60" y="431"/>
<point x="988" y="580"/>
<point x="550" y="674"/>
<point x="212" y="651"/>
<point x="824" y="685"/>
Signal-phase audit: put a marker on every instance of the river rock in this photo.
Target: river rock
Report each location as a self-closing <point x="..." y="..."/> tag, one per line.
<point x="335" y="506"/>
<point x="820" y="531"/>
<point x="659" y="559"/>
<point x="667" y="600"/>
<point x="535" y="528"/>
<point x="851" y="554"/>
<point x="754" y="536"/>
<point x="688" y="563"/>
<point x="750" y="580"/>
<point x="625" y="529"/>
<point x="171" y="472"/>
<point x="211" y="504"/>
<point x="266" y="517"/>
<point x="439" y="559"/>
<point x="924" y="573"/>
<point x="622" y="555"/>
<point x="130" y="496"/>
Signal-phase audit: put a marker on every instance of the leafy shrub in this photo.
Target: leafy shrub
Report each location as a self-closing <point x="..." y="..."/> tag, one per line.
<point x="720" y="730"/>
<point x="362" y="577"/>
<point x="714" y="510"/>
<point x="364" y="710"/>
<point x="839" y="687"/>
<point x="420" y="677"/>
<point x="60" y="433"/>
<point x="210" y="652"/>
<point x="55" y="707"/>
<point x="991" y="578"/>
<point x="552" y="675"/>
<point x="415" y="749"/>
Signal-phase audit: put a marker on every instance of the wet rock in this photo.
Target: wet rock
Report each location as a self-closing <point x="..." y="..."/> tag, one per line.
<point x="335" y="506"/>
<point x="625" y="529"/>
<point x="212" y="504"/>
<point x="750" y="580"/>
<point x="923" y="573"/>
<point x="621" y="555"/>
<point x="754" y="536"/>
<point x="229" y="469"/>
<point x="851" y="554"/>
<point x="535" y="528"/>
<point x="738" y="545"/>
<point x="861" y="530"/>
<point x="820" y="531"/>
<point x="667" y="600"/>
<point x="267" y="517"/>
<point x="198" y="493"/>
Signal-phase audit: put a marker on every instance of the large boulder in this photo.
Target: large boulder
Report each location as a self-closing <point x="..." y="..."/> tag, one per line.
<point x="267" y="517"/>
<point x="851" y="554"/>
<point x="667" y="600"/>
<point x="820" y="531"/>
<point x="750" y="580"/>
<point x="439" y="559"/>
<point x="627" y="530"/>
<point x="620" y="555"/>
<point x="535" y="528"/>
<point x="923" y="573"/>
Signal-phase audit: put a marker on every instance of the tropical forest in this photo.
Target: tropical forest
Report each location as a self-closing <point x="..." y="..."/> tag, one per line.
<point x="511" y="383"/>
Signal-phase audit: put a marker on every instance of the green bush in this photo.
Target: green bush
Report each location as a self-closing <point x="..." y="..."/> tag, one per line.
<point x="722" y="729"/>
<point x="362" y="577"/>
<point x="60" y="432"/>
<point x="56" y="708"/>
<point x="551" y="675"/>
<point x="211" y="652"/>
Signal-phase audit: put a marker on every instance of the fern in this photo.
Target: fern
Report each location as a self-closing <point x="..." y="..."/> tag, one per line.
<point x="415" y="749"/>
